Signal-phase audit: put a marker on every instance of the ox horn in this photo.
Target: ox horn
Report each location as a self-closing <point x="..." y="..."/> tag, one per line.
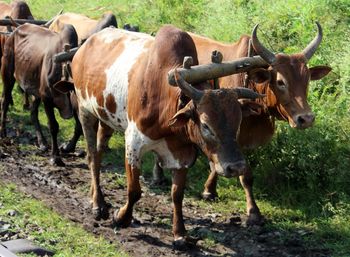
<point x="48" y="24"/>
<point x="243" y="92"/>
<point x="311" y="48"/>
<point x="193" y="93"/>
<point x="260" y="49"/>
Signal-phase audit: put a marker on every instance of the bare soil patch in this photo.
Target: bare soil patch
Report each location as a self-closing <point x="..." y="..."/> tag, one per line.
<point x="66" y="190"/>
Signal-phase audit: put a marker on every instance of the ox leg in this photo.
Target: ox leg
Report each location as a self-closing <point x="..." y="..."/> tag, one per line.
<point x="123" y="217"/>
<point x="209" y="192"/>
<point x="90" y="128"/>
<point x="177" y="195"/>
<point x="26" y="102"/>
<point x="78" y="131"/>
<point x="158" y="173"/>
<point x="9" y="81"/>
<point x="54" y="127"/>
<point x="35" y="120"/>
<point x="253" y="212"/>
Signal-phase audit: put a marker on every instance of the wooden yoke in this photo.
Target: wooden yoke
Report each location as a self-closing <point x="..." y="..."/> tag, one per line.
<point x="200" y="73"/>
<point x="9" y="22"/>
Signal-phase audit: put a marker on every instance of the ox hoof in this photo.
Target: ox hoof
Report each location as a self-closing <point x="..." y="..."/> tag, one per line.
<point x="43" y="148"/>
<point x="80" y="153"/>
<point x="255" y="219"/>
<point x="159" y="181"/>
<point x="100" y="213"/>
<point x="26" y="107"/>
<point x="67" y="148"/>
<point x="2" y="133"/>
<point x="184" y="243"/>
<point x="57" y="161"/>
<point x="119" y="222"/>
<point x="208" y="196"/>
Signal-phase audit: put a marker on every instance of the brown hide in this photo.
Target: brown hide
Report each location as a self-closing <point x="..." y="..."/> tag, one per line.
<point x="83" y="25"/>
<point x="288" y="103"/>
<point x="28" y="58"/>
<point x="16" y="10"/>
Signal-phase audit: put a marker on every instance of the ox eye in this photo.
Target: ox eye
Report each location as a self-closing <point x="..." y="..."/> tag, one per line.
<point x="281" y="85"/>
<point x="206" y="130"/>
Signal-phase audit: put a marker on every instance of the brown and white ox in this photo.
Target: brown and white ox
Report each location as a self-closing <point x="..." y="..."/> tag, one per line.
<point x="84" y="26"/>
<point x="129" y="91"/>
<point x="285" y="82"/>
<point x="28" y="59"/>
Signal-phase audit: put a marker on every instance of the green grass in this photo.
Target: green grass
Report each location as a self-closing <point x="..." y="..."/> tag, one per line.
<point x="50" y="230"/>
<point x="302" y="177"/>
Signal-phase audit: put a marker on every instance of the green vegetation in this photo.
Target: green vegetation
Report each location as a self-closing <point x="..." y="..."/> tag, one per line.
<point x="34" y="220"/>
<point x="302" y="177"/>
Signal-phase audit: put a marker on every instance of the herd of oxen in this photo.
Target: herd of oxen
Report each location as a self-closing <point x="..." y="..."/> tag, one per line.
<point x="119" y="80"/>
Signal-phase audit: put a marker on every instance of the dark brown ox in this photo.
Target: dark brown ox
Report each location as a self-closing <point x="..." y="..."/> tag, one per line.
<point x="129" y="91"/>
<point x="28" y="59"/>
<point x="284" y="81"/>
<point x="83" y="25"/>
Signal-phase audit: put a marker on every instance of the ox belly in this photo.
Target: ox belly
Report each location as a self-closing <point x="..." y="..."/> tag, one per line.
<point x="136" y="144"/>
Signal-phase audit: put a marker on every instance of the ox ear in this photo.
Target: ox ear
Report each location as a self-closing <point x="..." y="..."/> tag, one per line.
<point x="250" y="107"/>
<point x="259" y="75"/>
<point x="182" y="116"/>
<point x="63" y="86"/>
<point x="318" y="72"/>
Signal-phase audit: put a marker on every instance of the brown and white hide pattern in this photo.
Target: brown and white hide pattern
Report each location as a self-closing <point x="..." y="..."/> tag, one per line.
<point x="128" y="91"/>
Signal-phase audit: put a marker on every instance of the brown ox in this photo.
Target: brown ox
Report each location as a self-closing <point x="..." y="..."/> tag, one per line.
<point x="28" y="58"/>
<point x="285" y="83"/>
<point x="129" y="91"/>
<point x="15" y="10"/>
<point x="83" y="25"/>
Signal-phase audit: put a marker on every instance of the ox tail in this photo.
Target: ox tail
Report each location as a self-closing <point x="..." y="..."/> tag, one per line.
<point x="8" y="68"/>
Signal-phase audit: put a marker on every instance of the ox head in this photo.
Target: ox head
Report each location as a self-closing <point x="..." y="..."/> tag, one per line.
<point x="20" y="10"/>
<point x="290" y="77"/>
<point x="207" y="114"/>
<point x="60" y="73"/>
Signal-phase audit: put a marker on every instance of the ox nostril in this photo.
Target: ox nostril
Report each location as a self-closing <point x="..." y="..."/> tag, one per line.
<point x="300" y="120"/>
<point x="305" y="120"/>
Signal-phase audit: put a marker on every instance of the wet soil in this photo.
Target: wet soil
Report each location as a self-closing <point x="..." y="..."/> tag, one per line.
<point x="66" y="190"/>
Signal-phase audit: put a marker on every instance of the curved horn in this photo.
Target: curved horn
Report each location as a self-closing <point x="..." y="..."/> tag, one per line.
<point x="261" y="50"/>
<point x="311" y="48"/>
<point x="243" y="92"/>
<point x="193" y="93"/>
<point x="48" y="24"/>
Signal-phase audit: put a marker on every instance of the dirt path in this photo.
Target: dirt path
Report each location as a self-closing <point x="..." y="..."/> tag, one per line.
<point x="66" y="191"/>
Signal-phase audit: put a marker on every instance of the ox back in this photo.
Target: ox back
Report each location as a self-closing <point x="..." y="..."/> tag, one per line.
<point x="83" y="25"/>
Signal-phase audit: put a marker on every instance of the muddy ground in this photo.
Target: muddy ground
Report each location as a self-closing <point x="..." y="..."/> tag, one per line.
<point x="66" y="191"/>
